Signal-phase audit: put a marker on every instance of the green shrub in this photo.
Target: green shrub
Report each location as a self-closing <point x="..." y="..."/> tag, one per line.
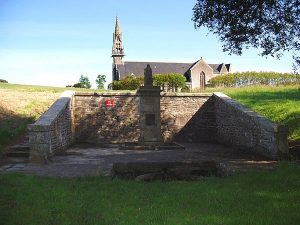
<point x="3" y="81"/>
<point x="254" y="78"/>
<point x="128" y="83"/>
<point x="171" y="81"/>
<point x="79" y="85"/>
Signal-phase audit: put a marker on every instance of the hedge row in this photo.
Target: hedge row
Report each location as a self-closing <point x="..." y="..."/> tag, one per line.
<point x="254" y="78"/>
<point x="166" y="81"/>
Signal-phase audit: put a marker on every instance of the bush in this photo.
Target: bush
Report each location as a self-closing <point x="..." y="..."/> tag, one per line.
<point x="171" y="81"/>
<point x="254" y="78"/>
<point x="128" y="83"/>
<point x="79" y="85"/>
<point x="3" y="81"/>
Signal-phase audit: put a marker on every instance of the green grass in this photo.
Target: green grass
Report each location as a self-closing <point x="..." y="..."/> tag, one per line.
<point x="265" y="197"/>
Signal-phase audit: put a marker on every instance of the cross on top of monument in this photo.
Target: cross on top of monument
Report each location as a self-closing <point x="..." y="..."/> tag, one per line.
<point x="148" y="79"/>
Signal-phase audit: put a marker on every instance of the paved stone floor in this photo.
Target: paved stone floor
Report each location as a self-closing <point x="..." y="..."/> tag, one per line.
<point x="92" y="161"/>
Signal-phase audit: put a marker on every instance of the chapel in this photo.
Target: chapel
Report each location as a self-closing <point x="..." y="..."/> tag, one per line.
<point x="197" y="73"/>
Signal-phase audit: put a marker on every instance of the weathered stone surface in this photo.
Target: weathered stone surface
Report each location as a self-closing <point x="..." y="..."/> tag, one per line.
<point x="240" y="127"/>
<point x="149" y="111"/>
<point x="94" y="122"/>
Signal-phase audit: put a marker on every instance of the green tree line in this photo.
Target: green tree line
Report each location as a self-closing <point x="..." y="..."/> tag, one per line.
<point x="254" y="78"/>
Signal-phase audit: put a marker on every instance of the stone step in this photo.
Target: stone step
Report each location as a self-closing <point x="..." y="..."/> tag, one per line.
<point x="19" y="150"/>
<point x="176" y="170"/>
<point x="20" y="147"/>
<point x="18" y="154"/>
<point x="161" y="146"/>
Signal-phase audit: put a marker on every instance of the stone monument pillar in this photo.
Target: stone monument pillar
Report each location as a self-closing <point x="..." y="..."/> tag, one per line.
<point x="149" y="109"/>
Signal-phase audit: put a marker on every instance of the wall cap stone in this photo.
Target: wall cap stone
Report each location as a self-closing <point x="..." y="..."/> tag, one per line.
<point x="162" y="94"/>
<point x="106" y="94"/>
<point x="45" y="121"/>
<point x="181" y="94"/>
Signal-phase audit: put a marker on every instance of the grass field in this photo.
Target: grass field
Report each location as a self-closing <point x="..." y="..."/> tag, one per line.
<point x="265" y="197"/>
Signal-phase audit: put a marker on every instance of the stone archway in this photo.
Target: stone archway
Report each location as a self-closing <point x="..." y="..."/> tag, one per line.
<point x="202" y="80"/>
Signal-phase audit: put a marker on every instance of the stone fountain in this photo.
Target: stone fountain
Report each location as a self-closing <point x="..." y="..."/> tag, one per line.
<point x="151" y="137"/>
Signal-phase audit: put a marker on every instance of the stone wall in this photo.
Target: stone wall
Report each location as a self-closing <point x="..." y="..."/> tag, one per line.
<point x="97" y="123"/>
<point x="242" y="128"/>
<point x="53" y="131"/>
<point x="187" y="117"/>
<point x="180" y="117"/>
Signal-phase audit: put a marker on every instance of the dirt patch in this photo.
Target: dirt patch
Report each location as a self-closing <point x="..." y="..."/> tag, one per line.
<point x="294" y="149"/>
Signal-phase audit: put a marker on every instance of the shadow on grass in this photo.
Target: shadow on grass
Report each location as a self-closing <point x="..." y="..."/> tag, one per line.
<point x="12" y="127"/>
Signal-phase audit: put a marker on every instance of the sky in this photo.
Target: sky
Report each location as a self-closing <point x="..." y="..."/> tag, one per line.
<point x="53" y="42"/>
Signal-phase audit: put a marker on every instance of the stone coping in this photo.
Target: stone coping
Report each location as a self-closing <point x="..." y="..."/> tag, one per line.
<point x="46" y="120"/>
<point x="162" y="94"/>
<point x="263" y="121"/>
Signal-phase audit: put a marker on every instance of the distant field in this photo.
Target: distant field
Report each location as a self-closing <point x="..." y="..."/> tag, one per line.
<point x="23" y="104"/>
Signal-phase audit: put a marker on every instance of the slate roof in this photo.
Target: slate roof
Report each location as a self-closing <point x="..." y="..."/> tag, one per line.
<point x="137" y="68"/>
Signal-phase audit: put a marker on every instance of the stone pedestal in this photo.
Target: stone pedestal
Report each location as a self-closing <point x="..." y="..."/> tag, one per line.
<point x="149" y="109"/>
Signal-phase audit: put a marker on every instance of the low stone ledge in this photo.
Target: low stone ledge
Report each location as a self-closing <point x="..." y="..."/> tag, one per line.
<point x="162" y="94"/>
<point x="106" y="94"/>
<point x="181" y="94"/>
<point x="164" y="171"/>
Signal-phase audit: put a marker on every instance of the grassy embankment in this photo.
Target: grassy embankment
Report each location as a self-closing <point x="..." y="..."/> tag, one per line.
<point x="265" y="197"/>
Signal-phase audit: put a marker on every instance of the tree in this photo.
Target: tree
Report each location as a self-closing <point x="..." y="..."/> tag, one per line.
<point x="272" y="25"/>
<point x="3" y="81"/>
<point x="83" y="82"/>
<point x="101" y="79"/>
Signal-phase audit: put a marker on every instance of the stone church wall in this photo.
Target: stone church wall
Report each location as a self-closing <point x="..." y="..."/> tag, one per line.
<point x="181" y="118"/>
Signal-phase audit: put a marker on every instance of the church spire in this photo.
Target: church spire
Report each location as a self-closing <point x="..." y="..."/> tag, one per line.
<point x="117" y="49"/>
<point x="117" y="28"/>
